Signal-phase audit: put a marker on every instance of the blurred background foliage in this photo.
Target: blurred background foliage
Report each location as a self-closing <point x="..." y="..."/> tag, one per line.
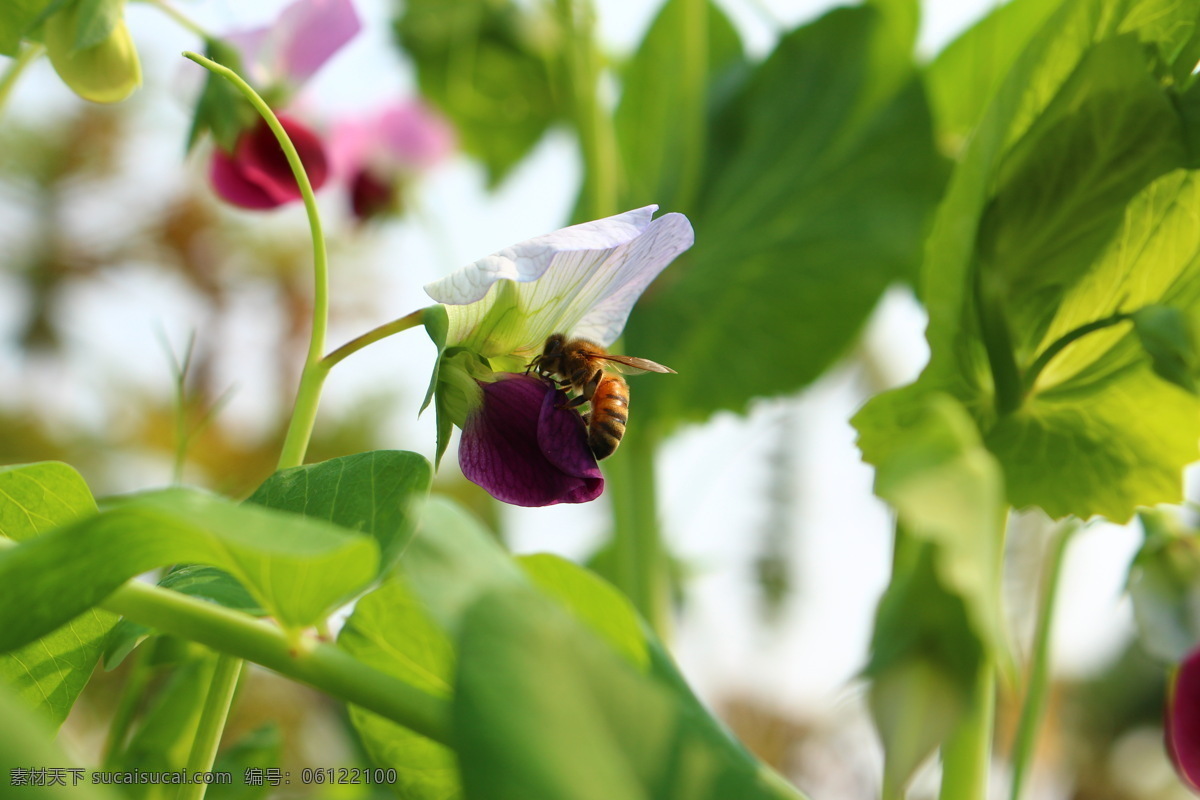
<point x="810" y="171"/>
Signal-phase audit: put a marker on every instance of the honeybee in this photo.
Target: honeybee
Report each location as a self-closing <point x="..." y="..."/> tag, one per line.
<point x="581" y="365"/>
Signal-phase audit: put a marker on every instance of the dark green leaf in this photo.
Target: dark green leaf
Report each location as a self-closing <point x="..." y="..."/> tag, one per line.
<point x="485" y="63"/>
<point x="1169" y="338"/>
<point x="298" y="568"/>
<point x="823" y="175"/>
<point x="377" y="493"/>
<point x="391" y="631"/>
<point x="662" y="120"/>
<point x="51" y="672"/>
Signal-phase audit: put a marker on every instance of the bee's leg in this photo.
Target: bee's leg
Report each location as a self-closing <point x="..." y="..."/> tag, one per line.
<point x="576" y="402"/>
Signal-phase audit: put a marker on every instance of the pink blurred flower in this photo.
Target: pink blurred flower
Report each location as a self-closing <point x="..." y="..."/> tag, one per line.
<point x="256" y="175"/>
<point x="306" y="34"/>
<point x="376" y="156"/>
<point x="1182" y="725"/>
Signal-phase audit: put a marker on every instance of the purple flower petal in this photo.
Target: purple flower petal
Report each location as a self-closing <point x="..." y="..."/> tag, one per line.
<point x="257" y="175"/>
<point x="414" y="135"/>
<point x="525" y="448"/>
<point x="1183" y="720"/>
<point x="309" y="32"/>
<point x="369" y="195"/>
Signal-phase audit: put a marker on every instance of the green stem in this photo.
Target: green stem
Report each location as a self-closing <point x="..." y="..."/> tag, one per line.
<point x="967" y="754"/>
<point x="639" y="562"/>
<point x="212" y="723"/>
<point x="597" y="140"/>
<point x="312" y="377"/>
<point x="26" y="57"/>
<point x="1034" y="706"/>
<point x="370" y="337"/>
<point x="179" y="17"/>
<point x="692" y="102"/>
<point x="323" y="666"/>
<point x="1060" y="344"/>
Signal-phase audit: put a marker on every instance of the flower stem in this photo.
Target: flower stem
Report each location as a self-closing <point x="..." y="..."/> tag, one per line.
<point x="593" y="123"/>
<point x="967" y="754"/>
<point x="323" y="666"/>
<point x="1034" y="706"/>
<point x="639" y="562"/>
<point x="212" y="723"/>
<point x="370" y="337"/>
<point x="26" y="57"/>
<point x="179" y="17"/>
<point x="1060" y="344"/>
<point x="312" y="377"/>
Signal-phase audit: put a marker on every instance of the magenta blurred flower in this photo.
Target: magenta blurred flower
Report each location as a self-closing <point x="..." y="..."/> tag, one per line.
<point x="256" y="175"/>
<point x="526" y="448"/>
<point x="519" y="442"/>
<point x="280" y="58"/>
<point x="1182" y="725"/>
<point x="377" y="156"/>
<point x="305" y="35"/>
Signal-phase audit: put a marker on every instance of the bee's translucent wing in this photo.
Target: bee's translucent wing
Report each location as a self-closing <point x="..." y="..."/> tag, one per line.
<point x="630" y="365"/>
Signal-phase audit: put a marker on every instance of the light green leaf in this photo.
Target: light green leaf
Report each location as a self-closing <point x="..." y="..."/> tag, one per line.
<point x="593" y="601"/>
<point x="1169" y="337"/>
<point x="966" y="74"/>
<point x="50" y="673"/>
<point x="810" y="216"/>
<point x="589" y="725"/>
<point x="661" y="122"/>
<point x="1063" y="212"/>
<point x="298" y="569"/>
<point x="391" y="631"/>
<point x="485" y="64"/>
<point x="377" y="493"/>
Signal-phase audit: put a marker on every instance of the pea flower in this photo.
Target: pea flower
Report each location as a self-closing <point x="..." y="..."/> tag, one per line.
<point x="378" y="156"/>
<point x="519" y="441"/>
<point x="1182" y="726"/>
<point x="254" y="172"/>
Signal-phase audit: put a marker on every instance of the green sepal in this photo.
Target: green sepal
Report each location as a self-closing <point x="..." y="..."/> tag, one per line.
<point x="221" y="109"/>
<point x="95" y="21"/>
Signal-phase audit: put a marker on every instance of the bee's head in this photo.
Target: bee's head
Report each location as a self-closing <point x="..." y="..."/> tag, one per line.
<point x="554" y="346"/>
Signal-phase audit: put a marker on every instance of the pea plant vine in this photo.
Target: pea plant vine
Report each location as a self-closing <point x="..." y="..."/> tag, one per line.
<point x="1035" y="182"/>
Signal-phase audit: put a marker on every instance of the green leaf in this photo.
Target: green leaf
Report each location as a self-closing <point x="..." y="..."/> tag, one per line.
<point x="1169" y="338"/>
<point x="593" y="601"/>
<point x="1164" y="585"/>
<point x="221" y="108"/>
<point x="391" y="631"/>
<point x="377" y="493"/>
<point x="95" y="20"/>
<point x="26" y="742"/>
<point x="17" y="17"/>
<point x="589" y="724"/>
<point x="51" y="672"/>
<point x="298" y="569"/>
<point x="485" y="64"/>
<point x="924" y="646"/>
<point x="662" y="119"/>
<point x="810" y="216"/>
<point x="262" y="746"/>
<point x="966" y="74"/>
<point x="1062" y="213"/>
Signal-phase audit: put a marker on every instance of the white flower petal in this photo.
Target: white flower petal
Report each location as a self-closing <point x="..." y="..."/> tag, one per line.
<point x="581" y="281"/>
